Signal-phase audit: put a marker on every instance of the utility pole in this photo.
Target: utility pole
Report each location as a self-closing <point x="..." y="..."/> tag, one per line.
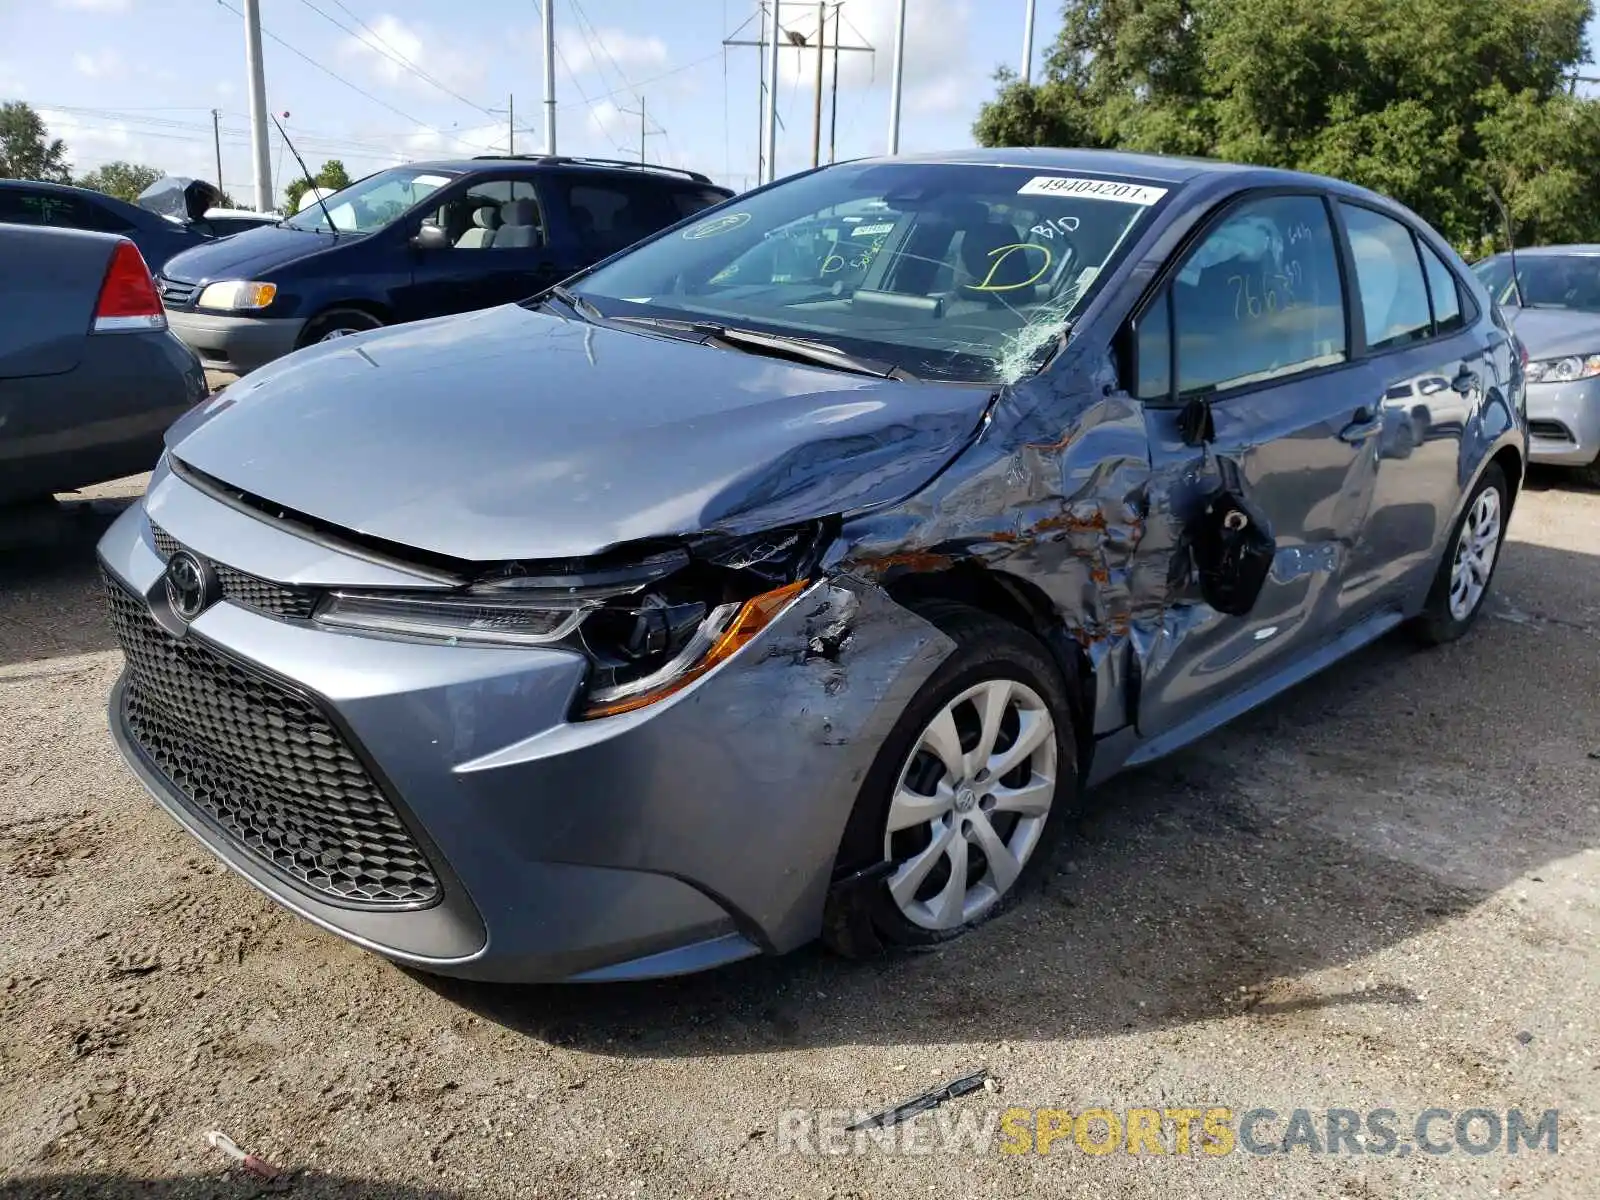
<point x="1027" y="40"/>
<point x="216" y="136"/>
<point x="899" y="76"/>
<point x="258" y="105"/>
<point x="816" y="108"/>
<point x="644" y="130"/>
<point x="770" y="133"/>
<point x="833" y="105"/>
<point x="549" y="14"/>
<point x="761" y="94"/>
<point x="766" y="168"/>
<point x="511" y="125"/>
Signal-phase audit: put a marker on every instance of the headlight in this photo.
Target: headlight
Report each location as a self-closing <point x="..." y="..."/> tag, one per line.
<point x="233" y="294"/>
<point x="1564" y="370"/>
<point x="648" y="628"/>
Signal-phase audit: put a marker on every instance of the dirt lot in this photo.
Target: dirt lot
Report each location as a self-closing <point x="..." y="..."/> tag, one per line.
<point x="1380" y="891"/>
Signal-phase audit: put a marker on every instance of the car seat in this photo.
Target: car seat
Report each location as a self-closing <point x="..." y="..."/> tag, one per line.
<point x="478" y="236"/>
<point x="520" y="228"/>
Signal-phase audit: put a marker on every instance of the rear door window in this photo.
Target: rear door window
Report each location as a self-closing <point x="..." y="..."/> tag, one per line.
<point x="1444" y="292"/>
<point x="1394" y="295"/>
<point x="687" y="203"/>
<point x="610" y="215"/>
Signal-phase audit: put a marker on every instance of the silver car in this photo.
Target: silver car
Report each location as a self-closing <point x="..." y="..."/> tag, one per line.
<point x="725" y="597"/>
<point x="1554" y="306"/>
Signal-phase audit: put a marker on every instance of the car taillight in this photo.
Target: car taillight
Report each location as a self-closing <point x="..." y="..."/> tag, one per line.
<point x="128" y="299"/>
<point x="1522" y="352"/>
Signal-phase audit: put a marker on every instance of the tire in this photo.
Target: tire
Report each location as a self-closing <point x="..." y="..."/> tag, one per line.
<point x="1591" y="474"/>
<point x="917" y="902"/>
<point x="1452" y="605"/>
<point x="336" y="323"/>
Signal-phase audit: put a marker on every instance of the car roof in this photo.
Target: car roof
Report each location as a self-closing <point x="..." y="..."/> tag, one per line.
<point x="544" y="162"/>
<point x="66" y="189"/>
<point x="1170" y="169"/>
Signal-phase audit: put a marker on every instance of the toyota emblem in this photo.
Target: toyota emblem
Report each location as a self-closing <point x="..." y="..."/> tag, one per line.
<point x="191" y="585"/>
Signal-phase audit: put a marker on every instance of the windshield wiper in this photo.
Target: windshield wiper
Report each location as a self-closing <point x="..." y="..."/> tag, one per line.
<point x="576" y="303"/>
<point x="775" y="345"/>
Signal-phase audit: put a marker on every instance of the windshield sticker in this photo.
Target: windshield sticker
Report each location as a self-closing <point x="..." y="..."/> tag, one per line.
<point x="432" y="180"/>
<point x="1091" y="189"/>
<point x="872" y="230"/>
<point x="725" y="223"/>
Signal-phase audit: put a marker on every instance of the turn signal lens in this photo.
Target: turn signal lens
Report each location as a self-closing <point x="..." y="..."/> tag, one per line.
<point x="728" y="629"/>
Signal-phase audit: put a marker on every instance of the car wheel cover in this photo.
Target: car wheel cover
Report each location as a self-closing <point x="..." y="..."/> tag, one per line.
<point x="342" y="331"/>
<point x="1476" y="547"/>
<point x="970" y="804"/>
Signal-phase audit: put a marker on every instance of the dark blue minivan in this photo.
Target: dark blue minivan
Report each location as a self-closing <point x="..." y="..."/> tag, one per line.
<point x="415" y="241"/>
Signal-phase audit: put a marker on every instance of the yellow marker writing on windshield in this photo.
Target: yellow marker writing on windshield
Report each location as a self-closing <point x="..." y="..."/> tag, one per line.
<point x="1000" y="256"/>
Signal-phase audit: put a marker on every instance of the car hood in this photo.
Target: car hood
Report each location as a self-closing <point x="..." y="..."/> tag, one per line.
<point x="248" y="255"/>
<point x="517" y="434"/>
<point x="1556" y="332"/>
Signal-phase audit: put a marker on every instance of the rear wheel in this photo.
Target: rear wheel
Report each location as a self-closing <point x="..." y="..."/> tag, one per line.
<point x="967" y="794"/>
<point x="1591" y="474"/>
<point x="1468" y="565"/>
<point x="338" y="323"/>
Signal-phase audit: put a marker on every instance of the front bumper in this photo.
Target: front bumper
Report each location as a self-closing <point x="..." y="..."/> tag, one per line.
<point x="1564" y="423"/>
<point x="691" y="833"/>
<point x="235" y="344"/>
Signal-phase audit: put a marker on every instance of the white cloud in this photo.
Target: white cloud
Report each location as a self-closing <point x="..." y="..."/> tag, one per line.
<point x="453" y="142"/>
<point x="586" y="55"/>
<point x="394" y="52"/>
<point x="103" y="64"/>
<point x="99" y="6"/>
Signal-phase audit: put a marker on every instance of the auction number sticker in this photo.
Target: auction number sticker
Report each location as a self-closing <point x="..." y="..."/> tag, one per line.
<point x="1091" y="189"/>
<point x="726" y="223"/>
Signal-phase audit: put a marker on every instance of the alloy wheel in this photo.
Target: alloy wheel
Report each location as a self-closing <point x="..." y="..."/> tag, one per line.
<point x="970" y="804"/>
<point x="1476" y="547"/>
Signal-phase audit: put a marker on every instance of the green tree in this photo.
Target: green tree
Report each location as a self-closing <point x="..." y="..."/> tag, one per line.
<point x="123" y="180"/>
<point x="1428" y="101"/>
<point x="332" y="175"/>
<point x="27" y="151"/>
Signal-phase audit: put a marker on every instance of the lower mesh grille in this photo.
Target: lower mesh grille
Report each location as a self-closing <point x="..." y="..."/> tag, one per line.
<point x="264" y="766"/>
<point x="279" y="599"/>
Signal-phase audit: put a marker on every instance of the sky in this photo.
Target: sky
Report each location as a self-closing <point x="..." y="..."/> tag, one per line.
<point x="376" y="82"/>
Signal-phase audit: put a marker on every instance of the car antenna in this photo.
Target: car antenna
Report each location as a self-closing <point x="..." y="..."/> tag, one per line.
<point x="1511" y="243"/>
<point x="312" y="183"/>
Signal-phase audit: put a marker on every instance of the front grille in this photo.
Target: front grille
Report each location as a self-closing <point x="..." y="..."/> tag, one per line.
<point x="264" y="766"/>
<point x="1554" y="430"/>
<point x="279" y="599"/>
<point x="175" y="294"/>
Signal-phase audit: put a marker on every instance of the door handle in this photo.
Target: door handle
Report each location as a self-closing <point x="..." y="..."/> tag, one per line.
<point x="1364" y="425"/>
<point x="1465" y="382"/>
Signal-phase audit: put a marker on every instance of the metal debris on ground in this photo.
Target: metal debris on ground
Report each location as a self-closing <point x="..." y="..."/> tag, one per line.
<point x="255" y="1164"/>
<point x="917" y="1104"/>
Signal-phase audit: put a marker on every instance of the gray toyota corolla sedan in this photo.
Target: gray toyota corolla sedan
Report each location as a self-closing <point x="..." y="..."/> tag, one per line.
<point x="791" y="573"/>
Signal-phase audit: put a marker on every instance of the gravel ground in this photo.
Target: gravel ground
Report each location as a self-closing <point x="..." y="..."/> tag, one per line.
<point x="1378" y="892"/>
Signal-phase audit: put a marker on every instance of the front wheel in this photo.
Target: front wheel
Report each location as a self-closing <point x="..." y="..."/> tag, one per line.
<point x="338" y="323"/>
<point x="966" y="795"/>
<point x="1468" y="565"/>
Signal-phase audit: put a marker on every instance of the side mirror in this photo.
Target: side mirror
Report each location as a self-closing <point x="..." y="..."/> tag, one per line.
<point x="430" y="237"/>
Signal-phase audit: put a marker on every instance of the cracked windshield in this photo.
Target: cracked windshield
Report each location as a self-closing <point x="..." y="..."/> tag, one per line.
<point x="953" y="272"/>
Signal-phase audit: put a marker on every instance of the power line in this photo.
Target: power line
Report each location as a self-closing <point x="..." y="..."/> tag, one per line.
<point x="298" y="53"/>
<point x="390" y="53"/>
